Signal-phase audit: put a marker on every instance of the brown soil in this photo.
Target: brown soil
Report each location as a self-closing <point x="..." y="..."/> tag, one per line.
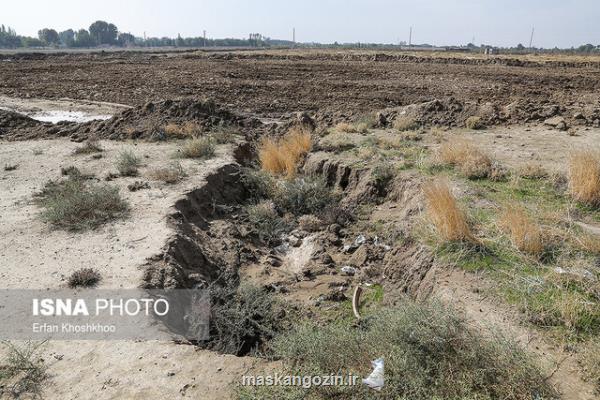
<point x="335" y="85"/>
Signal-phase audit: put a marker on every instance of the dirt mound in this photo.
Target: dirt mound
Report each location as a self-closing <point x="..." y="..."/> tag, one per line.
<point x="142" y="122"/>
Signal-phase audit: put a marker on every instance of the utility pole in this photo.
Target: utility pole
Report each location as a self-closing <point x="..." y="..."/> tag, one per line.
<point x="204" y="37"/>
<point x="294" y="35"/>
<point x="531" y="39"/>
<point x="410" y="38"/>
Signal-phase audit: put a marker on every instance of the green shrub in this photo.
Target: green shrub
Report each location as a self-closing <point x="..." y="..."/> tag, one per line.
<point x="430" y="352"/>
<point x="303" y="195"/>
<point x="259" y="184"/>
<point x="243" y="318"/>
<point x="265" y="221"/>
<point x="128" y="163"/>
<point x="73" y="204"/>
<point x="22" y="371"/>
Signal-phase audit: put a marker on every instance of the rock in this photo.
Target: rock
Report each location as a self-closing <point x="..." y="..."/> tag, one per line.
<point x="381" y="120"/>
<point x="326" y="259"/>
<point x="554" y="121"/>
<point x="305" y="120"/>
<point x="138" y="185"/>
<point x="348" y="271"/>
<point x="274" y="261"/>
<point x="360" y="257"/>
<point x="549" y="111"/>
<point x="562" y="126"/>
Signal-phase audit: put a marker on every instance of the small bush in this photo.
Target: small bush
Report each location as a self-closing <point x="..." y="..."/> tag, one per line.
<point x="10" y="167"/>
<point x="171" y="174"/>
<point x="310" y="223"/>
<point x="265" y="221"/>
<point x="383" y="173"/>
<point x="260" y="184"/>
<point x="243" y="318"/>
<point x="472" y="162"/>
<point x="442" y="208"/>
<point x="525" y="234"/>
<point x="22" y="371"/>
<point x="198" y="148"/>
<point x="347" y="127"/>
<point x="591" y="363"/>
<point x="404" y="124"/>
<point x="282" y="157"/>
<point x="84" y="277"/>
<point x="186" y="130"/>
<point x="75" y="205"/>
<point x="430" y="352"/>
<point x="128" y="163"/>
<point x="303" y="195"/>
<point x="474" y="123"/>
<point x="584" y="177"/>
<point x="92" y="145"/>
<point x="532" y="170"/>
<point x="224" y="135"/>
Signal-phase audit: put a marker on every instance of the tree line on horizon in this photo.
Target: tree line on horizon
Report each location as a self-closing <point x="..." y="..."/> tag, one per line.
<point x="102" y="33"/>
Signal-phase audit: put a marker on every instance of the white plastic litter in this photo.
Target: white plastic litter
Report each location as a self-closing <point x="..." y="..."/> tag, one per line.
<point x="348" y="270"/>
<point x="375" y="381"/>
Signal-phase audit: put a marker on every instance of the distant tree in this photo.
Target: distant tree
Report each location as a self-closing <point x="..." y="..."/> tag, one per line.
<point x="67" y="38"/>
<point x="8" y="37"/>
<point x="126" y="39"/>
<point x="586" y="48"/>
<point x="520" y="47"/>
<point x="49" y="36"/>
<point x="180" y="42"/>
<point x="31" y="42"/>
<point x="83" y="39"/>
<point x="104" y="33"/>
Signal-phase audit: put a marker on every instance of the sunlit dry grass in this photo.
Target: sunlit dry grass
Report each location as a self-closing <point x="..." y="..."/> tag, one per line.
<point x="346" y="127"/>
<point x="525" y="234"/>
<point x="188" y="129"/>
<point x="443" y="211"/>
<point x="473" y="162"/>
<point x="281" y="157"/>
<point x="584" y="177"/>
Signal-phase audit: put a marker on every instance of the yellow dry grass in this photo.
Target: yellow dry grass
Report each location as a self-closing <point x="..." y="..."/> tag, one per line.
<point x="470" y="159"/>
<point x="584" y="176"/>
<point x="346" y="127"/>
<point x="525" y="234"/>
<point x="186" y="130"/>
<point x="404" y="124"/>
<point x="532" y="170"/>
<point x="443" y="211"/>
<point x="281" y="157"/>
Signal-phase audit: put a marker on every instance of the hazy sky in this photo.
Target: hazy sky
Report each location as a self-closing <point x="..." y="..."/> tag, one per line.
<point x="562" y="23"/>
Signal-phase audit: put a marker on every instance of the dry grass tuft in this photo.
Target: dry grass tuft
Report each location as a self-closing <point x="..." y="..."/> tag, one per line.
<point x="446" y="216"/>
<point x="532" y="170"/>
<point x="281" y="157"/>
<point x="404" y="124"/>
<point x="92" y="145"/>
<point x="169" y="174"/>
<point x="526" y="234"/>
<point x="584" y="177"/>
<point x="474" y="123"/>
<point x="472" y="161"/>
<point x="198" y="148"/>
<point x="346" y="127"/>
<point x="188" y="129"/>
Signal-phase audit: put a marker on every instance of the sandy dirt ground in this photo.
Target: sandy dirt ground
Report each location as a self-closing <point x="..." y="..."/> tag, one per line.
<point x="35" y="256"/>
<point x="516" y="146"/>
